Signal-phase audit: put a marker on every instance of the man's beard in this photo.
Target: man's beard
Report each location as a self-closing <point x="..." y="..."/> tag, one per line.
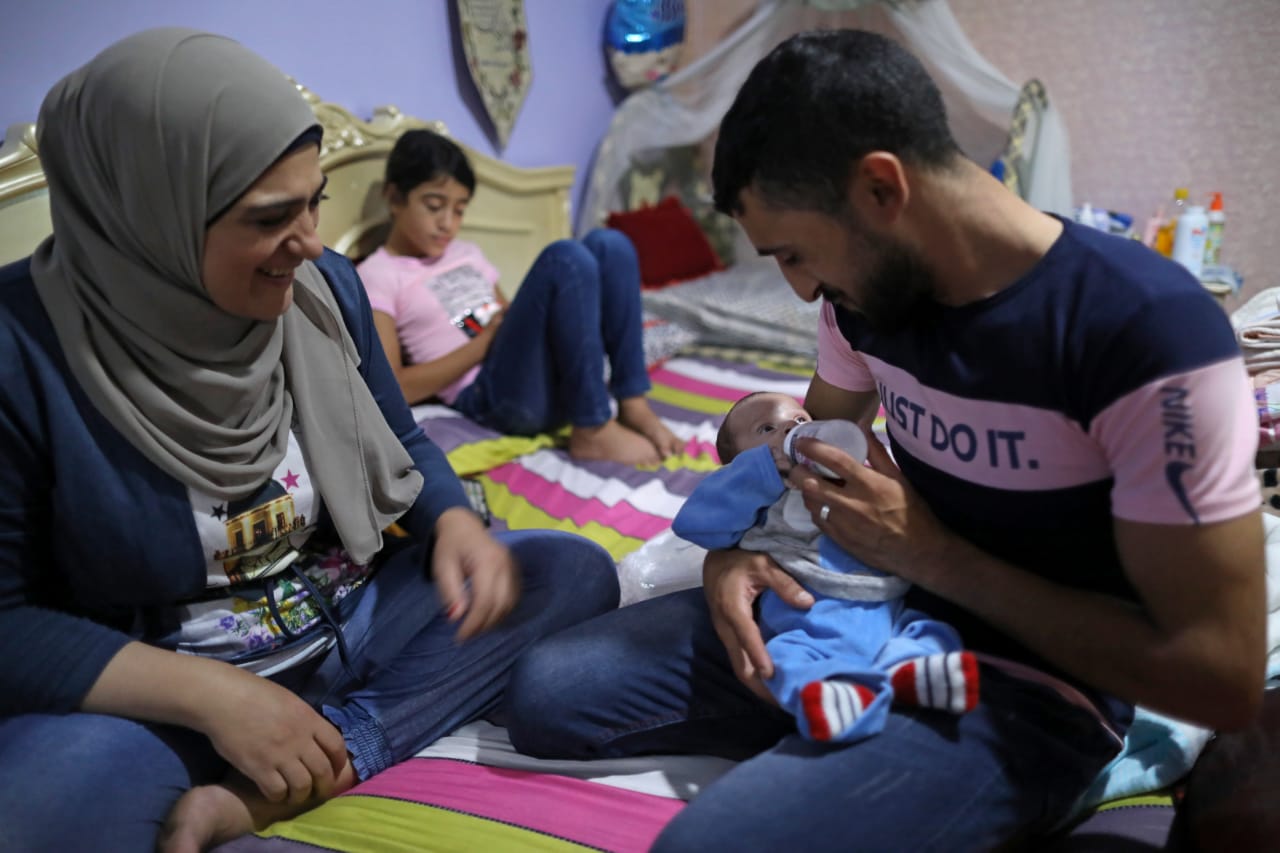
<point x="898" y="292"/>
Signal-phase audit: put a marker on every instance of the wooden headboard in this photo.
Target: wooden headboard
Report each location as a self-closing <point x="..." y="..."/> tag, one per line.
<point x="514" y="214"/>
<point x="24" y="199"/>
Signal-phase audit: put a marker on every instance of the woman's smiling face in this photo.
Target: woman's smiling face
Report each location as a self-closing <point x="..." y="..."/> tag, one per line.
<point x="252" y="250"/>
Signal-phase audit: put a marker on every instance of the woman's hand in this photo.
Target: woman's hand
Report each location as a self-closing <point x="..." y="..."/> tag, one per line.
<point x="286" y="748"/>
<point x="478" y="579"/>
<point x="873" y="512"/>
<point x="263" y="730"/>
<point x="732" y="580"/>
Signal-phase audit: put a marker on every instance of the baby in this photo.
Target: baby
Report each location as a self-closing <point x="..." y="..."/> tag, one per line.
<point x="841" y="663"/>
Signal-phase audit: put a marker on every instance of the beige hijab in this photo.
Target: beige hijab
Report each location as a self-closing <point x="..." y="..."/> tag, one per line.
<point x="158" y="133"/>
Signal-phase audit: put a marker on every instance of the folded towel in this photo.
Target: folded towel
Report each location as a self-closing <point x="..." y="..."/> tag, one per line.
<point x="1263" y="308"/>
<point x="1259" y="342"/>
<point x="1261" y="361"/>
<point x="1260" y="335"/>
<point x="1158" y="751"/>
<point x="1257" y="326"/>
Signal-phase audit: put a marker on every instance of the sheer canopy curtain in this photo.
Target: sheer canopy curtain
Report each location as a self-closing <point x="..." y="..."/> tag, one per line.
<point x="686" y="107"/>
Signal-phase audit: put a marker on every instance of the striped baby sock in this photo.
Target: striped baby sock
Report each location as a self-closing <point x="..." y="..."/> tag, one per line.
<point x="947" y="681"/>
<point x="832" y="707"/>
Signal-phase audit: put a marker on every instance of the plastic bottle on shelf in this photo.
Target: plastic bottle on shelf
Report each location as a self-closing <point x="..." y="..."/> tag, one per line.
<point x="1164" y="237"/>
<point x="845" y="435"/>
<point x="1188" y="242"/>
<point x="1119" y="223"/>
<point x="1213" y="238"/>
<point x="1152" y="230"/>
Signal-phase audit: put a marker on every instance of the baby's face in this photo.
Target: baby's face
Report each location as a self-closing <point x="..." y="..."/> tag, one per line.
<point x="766" y="419"/>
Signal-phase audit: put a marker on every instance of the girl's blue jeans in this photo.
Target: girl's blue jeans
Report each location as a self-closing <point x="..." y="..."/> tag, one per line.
<point x="579" y="303"/>
<point x="94" y="782"/>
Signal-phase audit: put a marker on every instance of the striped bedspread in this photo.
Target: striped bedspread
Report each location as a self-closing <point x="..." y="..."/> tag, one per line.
<point x="433" y="804"/>
<point x="533" y="483"/>
<point x="471" y="791"/>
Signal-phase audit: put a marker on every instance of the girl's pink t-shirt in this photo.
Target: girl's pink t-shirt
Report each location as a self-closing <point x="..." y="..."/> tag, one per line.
<point x="430" y="300"/>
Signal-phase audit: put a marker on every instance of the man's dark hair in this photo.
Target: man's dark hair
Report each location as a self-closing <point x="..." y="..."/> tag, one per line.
<point x="816" y="105"/>
<point x="423" y="155"/>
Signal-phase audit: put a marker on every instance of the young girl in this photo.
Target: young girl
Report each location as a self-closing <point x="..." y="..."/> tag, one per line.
<point x="522" y="367"/>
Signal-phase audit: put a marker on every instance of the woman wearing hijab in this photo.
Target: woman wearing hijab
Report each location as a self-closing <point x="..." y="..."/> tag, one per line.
<point x="201" y="443"/>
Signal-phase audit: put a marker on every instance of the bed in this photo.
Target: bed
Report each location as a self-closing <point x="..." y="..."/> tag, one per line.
<point x="471" y="791"/>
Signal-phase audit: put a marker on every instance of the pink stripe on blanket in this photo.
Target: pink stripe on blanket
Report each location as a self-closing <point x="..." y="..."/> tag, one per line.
<point x="584" y="812"/>
<point x="695" y="448"/>
<point x="671" y="379"/>
<point x="554" y="499"/>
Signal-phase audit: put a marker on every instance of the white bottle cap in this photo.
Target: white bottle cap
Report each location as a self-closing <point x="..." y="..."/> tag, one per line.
<point x="845" y="435"/>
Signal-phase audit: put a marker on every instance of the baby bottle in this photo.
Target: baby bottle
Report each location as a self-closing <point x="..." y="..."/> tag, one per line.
<point x="845" y="435"/>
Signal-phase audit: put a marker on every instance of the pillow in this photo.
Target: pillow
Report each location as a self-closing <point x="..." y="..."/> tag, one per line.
<point x="682" y="172"/>
<point x="668" y="241"/>
<point x="663" y="339"/>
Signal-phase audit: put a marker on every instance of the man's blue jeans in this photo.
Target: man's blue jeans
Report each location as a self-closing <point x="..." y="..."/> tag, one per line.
<point x="93" y="782"/>
<point x="545" y="367"/>
<point x="654" y="678"/>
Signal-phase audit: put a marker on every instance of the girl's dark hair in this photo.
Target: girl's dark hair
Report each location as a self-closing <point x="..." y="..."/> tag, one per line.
<point x="423" y="155"/>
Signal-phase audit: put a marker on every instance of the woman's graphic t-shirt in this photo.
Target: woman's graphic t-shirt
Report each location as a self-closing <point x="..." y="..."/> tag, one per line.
<point x="438" y="304"/>
<point x="263" y="546"/>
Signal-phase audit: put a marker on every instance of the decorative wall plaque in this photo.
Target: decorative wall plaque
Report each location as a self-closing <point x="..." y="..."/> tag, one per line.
<point x="495" y="40"/>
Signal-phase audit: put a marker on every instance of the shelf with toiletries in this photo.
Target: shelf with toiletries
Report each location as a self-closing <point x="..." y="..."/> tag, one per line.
<point x="1189" y="233"/>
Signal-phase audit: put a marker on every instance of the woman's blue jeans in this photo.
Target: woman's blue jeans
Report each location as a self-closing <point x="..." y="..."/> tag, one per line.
<point x="94" y="782"/>
<point x="654" y="678"/>
<point x="579" y="303"/>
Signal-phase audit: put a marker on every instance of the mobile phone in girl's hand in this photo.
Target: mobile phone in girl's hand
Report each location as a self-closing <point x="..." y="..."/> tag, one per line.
<point x="475" y="319"/>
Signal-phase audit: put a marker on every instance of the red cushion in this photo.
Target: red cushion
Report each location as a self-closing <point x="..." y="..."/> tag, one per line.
<point x="668" y="241"/>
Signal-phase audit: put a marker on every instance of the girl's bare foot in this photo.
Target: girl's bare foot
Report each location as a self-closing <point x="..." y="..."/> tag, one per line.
<point x="614" y="442"/>
<point x="636" y="413"/>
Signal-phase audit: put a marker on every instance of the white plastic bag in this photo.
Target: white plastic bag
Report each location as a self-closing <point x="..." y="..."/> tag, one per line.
<point x="666" y="563"/>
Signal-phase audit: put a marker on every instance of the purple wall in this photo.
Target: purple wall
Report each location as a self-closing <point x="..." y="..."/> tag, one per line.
<point x="1157" y="95"/>
<point x="357" y="54"/>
